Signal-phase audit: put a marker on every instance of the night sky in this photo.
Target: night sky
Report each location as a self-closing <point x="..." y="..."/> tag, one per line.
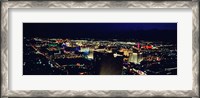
<point x="137" y="31"/>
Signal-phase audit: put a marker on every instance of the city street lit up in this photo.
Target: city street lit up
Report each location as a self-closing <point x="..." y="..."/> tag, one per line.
<point x="100" y="49"/>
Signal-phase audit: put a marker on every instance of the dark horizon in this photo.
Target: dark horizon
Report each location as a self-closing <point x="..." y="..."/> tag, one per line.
<point x="136" y="31"/>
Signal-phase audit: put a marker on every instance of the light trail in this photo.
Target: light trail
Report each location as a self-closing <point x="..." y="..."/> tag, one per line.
<point x="53" y="62"/>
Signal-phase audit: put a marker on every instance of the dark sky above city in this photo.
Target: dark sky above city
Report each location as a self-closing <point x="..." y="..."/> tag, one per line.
<point x="143" y="31"/>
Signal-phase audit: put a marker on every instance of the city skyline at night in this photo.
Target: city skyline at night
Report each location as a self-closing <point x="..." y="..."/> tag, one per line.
<point x="99" y="48"/>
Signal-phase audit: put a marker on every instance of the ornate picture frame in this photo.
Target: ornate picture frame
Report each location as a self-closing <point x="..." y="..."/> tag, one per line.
<point x="6" y="5"/>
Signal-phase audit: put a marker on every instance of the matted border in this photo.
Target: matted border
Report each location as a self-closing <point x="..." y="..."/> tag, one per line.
<point x="194" y="5"/>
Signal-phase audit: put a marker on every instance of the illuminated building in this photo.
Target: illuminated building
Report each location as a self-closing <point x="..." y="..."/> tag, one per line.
<point x="91" y="55"/>
<point x="84" y="50"/>
<point x="126" y="52"/>
<point x="68" y="44"/>
<point x="138" y="45"/>
<point x="148" y="47"/>
<point x="135" y="57"/>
